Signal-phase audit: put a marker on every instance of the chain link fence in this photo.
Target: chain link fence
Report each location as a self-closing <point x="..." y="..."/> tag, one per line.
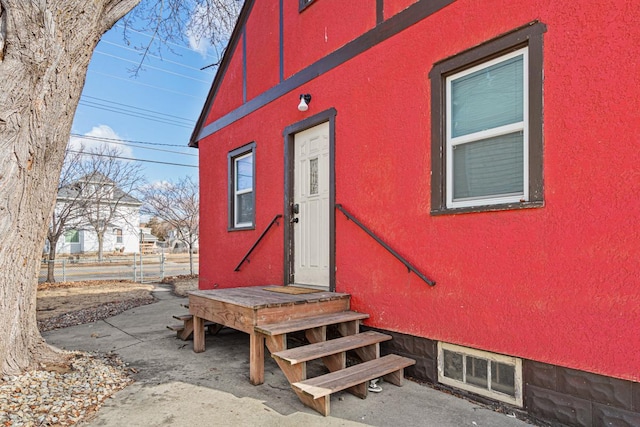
<point x="135" y="267"/>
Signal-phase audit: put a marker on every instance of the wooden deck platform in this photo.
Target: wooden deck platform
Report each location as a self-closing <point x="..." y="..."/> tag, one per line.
<point x="245" y="308"/>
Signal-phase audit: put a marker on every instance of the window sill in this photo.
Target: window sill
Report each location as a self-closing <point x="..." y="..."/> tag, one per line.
<point x="488" y="208"/>
<point x="252" y="227"/>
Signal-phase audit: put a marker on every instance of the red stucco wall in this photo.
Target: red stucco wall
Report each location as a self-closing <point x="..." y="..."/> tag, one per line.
<point x="322" y="28"/>
<point x="263" y="41"/>
<point x="558" y="284"/>
<point x="229" y="95"/>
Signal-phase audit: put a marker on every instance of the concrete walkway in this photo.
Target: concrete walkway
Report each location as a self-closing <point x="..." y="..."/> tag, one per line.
<point x="177" y="387"/>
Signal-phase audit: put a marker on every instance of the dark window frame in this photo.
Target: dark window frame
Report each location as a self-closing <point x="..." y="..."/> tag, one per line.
<point x="119" y="237"/>
<point x="303" y="4"/>
<point x="530" y="36"/>
<point x="231" y="200"/>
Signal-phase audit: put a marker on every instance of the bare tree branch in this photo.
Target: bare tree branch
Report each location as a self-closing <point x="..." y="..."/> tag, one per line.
<point x="177" y="204"/>
<point x="179" y="21"/>
<point x="107" y="184"/>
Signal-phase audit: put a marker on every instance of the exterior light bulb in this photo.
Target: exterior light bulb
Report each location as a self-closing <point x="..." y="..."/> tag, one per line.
<point x="304" y="102"/>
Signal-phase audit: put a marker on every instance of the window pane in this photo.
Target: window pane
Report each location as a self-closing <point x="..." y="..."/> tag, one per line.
<point x="488" y="98"/>
<point x="452" y="365"/>
<point x="244" y="173"/>
<point x="489" y="167"/>
<point x="477" y="371"/>
<point x="313" y="176"/>
<point x="72" y="236"/>
<point x="244" y="208"/>
<point x="503" y="378"/>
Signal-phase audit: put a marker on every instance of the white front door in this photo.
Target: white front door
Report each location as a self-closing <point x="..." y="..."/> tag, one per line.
<point x="311" y="201"/>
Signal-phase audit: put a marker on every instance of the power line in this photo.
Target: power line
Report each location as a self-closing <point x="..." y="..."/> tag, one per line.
<point x="133" y="114"/>
<point x="166" y="42"/>
<point x="191" y="121"/>
<point x="153" y="56"/>
<point x="82" y="153"/>
<point x="125" y="140"/>
<point x="144" y="84"/>
<point x="152" y="67"/>
<point x="111" y="141"/>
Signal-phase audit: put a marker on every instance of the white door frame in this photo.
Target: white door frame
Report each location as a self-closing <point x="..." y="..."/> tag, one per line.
<point x="289" y="134"/>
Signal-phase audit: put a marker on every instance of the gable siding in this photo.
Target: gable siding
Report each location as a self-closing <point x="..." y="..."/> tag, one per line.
<point x="263" y="47"/>
<point x="230" y="93"/>
<point x="393" y="7"/>
<point x="320" y="29"/>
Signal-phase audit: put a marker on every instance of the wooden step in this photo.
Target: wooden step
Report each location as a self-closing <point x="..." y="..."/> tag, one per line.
<point x="316" y="392"/>
<point x="310" y="322"/>
<point x="185" y="330"/>
<point x="327" y="348"/>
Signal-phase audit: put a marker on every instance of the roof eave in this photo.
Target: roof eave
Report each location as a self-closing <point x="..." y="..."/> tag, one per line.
<point x="226" y="58"/>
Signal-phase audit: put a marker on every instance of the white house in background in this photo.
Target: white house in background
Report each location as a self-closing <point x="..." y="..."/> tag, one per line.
<point x="123" y="232"/>
<point x="177" y="245"/>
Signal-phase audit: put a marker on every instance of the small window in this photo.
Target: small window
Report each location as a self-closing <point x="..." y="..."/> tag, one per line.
<point x="241" y="188"/>
<point x="488" y="374"/>
<point x="72" y="236"/>
<point x="487" y="125"/>
<point x="303" y="4"/>
<point x="118" y="233"/>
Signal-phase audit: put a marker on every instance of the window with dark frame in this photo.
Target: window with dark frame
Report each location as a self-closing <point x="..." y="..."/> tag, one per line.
<point x="303" y="4"/>
<point x="487" y="126"/>
<point x="118" y="233"/>
<point x="242" y="178"/>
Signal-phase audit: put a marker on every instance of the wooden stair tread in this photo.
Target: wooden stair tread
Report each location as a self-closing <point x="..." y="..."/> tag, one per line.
<point x="327" y="348"/>
<point x="310" y="322"/>
<point x="183" y="317"/>
<point x="180" y="328"/>
<point x="339" y="380"/>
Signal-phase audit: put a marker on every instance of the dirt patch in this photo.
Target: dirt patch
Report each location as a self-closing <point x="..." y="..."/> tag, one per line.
<point x="55" y="299"/>
<point x="182" y="284"/>
<point x="64" y="304"/>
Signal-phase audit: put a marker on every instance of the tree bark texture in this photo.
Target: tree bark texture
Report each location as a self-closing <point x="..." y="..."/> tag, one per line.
<point x="45" y="48"/>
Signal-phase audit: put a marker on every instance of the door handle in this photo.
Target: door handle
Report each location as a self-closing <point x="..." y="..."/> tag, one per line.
<point x="294" y="220"/>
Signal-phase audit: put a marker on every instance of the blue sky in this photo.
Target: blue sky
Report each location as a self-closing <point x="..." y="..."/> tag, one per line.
<point x="158" y="106"/>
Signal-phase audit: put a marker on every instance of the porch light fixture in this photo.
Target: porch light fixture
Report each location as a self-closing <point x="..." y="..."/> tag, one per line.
<point x="305" y="99"/>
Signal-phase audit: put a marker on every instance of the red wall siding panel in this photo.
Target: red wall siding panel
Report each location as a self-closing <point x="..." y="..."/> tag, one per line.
<point x="263" y="47"/>
<point x="229" y="95"/>
<point x="393" y="7"/>
<point x="558" y="284"/>
<point x="322" y="28"/>
<point x="225" y="249"/>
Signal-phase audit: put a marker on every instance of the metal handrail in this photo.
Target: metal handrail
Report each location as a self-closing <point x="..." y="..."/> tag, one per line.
<point x="399" y="257"/>
<point x="246" y="257"/>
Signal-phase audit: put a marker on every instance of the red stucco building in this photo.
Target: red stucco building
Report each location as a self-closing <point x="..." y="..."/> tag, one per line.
<point x="493" y="145"/>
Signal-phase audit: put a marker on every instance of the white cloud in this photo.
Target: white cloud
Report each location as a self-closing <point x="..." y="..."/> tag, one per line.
<point x="99" y="136"/>
<point x="199" y="45"/>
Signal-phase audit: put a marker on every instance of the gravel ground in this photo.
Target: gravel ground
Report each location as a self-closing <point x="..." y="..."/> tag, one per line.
<point x="61" y="397"/>
<point x="64" y="396"/>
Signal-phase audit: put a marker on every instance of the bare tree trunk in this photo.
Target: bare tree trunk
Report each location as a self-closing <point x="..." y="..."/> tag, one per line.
<point x="45" y="47"/>
<point x="191" y="259"/>
<point x="100" y="236"/>
<point x="51" y="261"/>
